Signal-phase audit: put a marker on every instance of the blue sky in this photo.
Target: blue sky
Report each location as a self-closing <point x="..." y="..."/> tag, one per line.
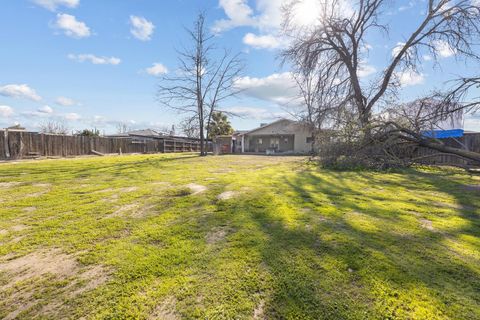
<point x="91" y="63"/>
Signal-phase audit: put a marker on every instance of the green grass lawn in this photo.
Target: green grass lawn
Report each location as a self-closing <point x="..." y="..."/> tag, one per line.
<point x="235" y="237"/>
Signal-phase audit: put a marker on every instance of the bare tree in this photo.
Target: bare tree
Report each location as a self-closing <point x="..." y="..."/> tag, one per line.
<point x="203" y="80"/>
<point x="338" y="43"/>
<point x="122" y="127"/>
<point x="189" y="127"/>
<point x="317" y="97"/>
<point x="54" y="127"/>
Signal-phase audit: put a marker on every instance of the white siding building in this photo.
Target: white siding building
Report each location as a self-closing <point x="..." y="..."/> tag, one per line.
<point x="282" y="136"/>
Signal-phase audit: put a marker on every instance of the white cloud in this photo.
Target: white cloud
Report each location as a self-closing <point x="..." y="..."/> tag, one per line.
<point x="238" y="13"/>
<point x="262" y="41"/>
<point x="472" y="122"/>
<point x="408" y="6"/>
<point x="72" y="116"/>
<point x="65" y="102"/>
<point x="366" y="47"/>
<point x="267" y="17"/>
<point x="6" y="111"/>
<point x="427" y="57"/>
<point x="71" y="26"/>
<point x="99" y="119"/>
<point x="157" y="69"/>
<point x="268" y="14"/>
<point x="278" y="87"/>
<point x="142" y="29"/>
<point x="94" y="59"/>
<point x="365" y="70"/>
<point x="45" y="109"/>
<point x="443" y="49"/>
<point x="398" y="47"/>
<point x="256" y="113"/>
<point x="19" y="91"/>
<point x="52" y="5"/>
<point x="411" y="78"/>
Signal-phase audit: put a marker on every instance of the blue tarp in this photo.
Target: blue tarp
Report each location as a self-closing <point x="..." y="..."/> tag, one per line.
<point x="444" y="134"/>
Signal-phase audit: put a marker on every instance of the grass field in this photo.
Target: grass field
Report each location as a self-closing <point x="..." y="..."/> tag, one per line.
<point x="235" y="237"/>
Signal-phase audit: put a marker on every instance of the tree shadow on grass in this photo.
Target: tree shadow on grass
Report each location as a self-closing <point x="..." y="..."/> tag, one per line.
<point x="364" y="259"/>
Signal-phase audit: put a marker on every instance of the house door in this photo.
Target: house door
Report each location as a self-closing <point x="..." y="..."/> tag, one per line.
<point x="274" y="143"/>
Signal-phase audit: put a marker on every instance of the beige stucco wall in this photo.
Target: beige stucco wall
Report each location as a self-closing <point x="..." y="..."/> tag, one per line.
<point x="301" y="135"/>
<point x="287" y="127"/>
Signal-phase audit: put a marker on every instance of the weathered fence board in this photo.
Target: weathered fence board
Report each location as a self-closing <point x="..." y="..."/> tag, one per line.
<point x="20" y="145"/>
<point x="470" y="141"/>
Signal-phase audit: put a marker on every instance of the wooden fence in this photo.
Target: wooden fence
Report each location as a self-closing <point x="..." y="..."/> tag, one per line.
<point x="470" y="141"/>
<point x="21" y="145"/>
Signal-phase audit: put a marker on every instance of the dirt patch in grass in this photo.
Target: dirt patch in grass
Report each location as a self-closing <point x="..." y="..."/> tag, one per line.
<point x="447" y="205"/>
<point x="29" y="209"/>
<point x="90" y="279"/>
<point x="19" y="227"/>
<point x="142" y="211"/>
<point x="165" y="310"/>
<point x="414" y="213"/>
<point x="45" y="188"/>
<point x="42" y="185"/>
<point x="134" y="210"/>
<point x="104" y="190"/>
<point x="161" y="184"/>
<point x="128" y="189"/>
<point x="125" y="208"/>
<point x="18" y="239"/>
<point x="227" y="195"/>
<point x="39" y="263"/>
<point x="9" y="184"/>
<point x="426" y="224"/>
<point x="220" y="171"/>
<point x="48" y="266"/>
<point x="259" y="311"/>
<point x="196" y="188"/>
<point x="113" y="198"/>
<point x="121" y="190"/>
<point x="3" y="232"/>
<point x="217" y="235"/>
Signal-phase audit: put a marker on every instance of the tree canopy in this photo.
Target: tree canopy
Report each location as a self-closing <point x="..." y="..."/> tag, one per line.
<point x="219" y="125"/>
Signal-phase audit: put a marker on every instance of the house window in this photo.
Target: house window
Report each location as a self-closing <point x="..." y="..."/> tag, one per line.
<point x="260" y="141"/>
<point x="309" y="139"/>
<point x="286" y="140"/>
<point x="274" y="142"/>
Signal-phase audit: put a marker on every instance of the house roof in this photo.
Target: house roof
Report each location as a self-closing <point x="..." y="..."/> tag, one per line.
<point x="16" y="127"/>
<point x="140" y="133"/>
<point x="239" y="132"/>
<point x="265" y="126"/>
<point x="145" y="133"/>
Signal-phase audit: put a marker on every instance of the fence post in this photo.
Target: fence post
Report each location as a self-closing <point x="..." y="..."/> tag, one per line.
<point x="7" y="149"/>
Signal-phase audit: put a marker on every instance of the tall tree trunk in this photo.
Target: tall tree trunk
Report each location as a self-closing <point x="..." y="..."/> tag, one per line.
<point x="202" y="135"/>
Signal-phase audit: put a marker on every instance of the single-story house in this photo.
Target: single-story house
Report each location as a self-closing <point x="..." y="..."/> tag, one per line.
<point x="281" y="136"/>
<point x="144" y="134"/>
